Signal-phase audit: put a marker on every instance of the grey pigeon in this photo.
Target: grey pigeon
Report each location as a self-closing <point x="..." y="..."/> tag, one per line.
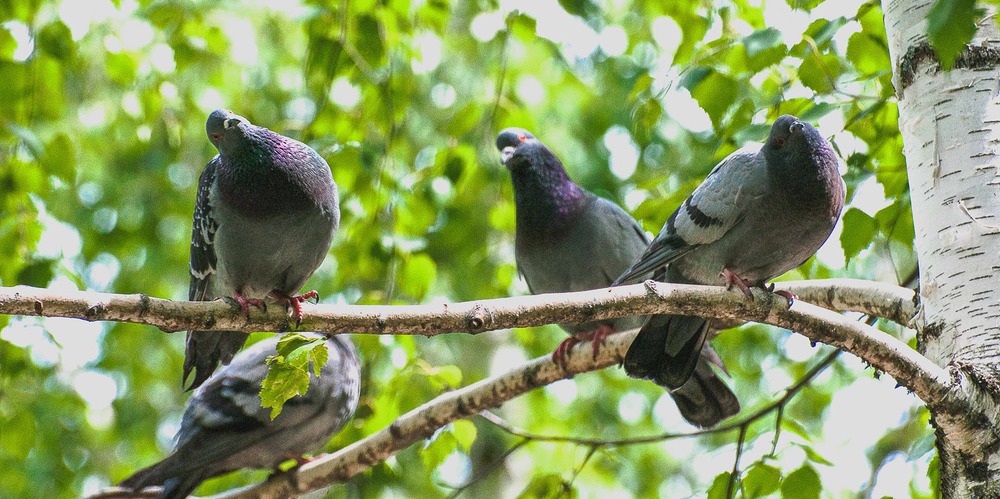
<point x="568" y="239"/>
<point x="264" y="217"/>
<point x="764" y="210"/>
<point x="224" y="427"/>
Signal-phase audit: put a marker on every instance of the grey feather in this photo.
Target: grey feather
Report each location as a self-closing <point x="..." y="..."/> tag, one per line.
<point x="264" y="217"/>
<point x="763" y="211"/>
<point x="568" y="239"/>
<point x="224" y="427"/>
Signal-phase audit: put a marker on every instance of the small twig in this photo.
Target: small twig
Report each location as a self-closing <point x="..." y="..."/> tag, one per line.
<point x="731" y="486"/>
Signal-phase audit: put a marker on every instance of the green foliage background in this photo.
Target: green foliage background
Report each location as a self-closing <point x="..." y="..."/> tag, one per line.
<point x="102" y="140"/>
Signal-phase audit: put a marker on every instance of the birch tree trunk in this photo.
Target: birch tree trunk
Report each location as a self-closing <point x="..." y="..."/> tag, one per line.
<point x="950" y="122"/>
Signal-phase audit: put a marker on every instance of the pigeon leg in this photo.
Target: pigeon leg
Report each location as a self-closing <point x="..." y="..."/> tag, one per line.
<point x="295" y="302"/>
<point x="788" y="295"/>
<point x="733" y="279"/>
<point x="245" y="303"/>
<point x="596" y="337"/>
<point x="559" y="355"/>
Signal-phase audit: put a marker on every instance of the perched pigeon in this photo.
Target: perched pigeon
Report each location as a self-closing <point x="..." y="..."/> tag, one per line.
<point x="568" y="239"/>
<point x="763" y="211"/>
<point x="264" y="217"/>
<point x="224" y="427"/>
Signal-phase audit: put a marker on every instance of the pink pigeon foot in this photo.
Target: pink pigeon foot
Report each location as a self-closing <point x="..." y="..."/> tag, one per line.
<point x="245" y="303"/>
<point x="596" y="337"/>
<point x="295" y="302"/>
<point x="734" y="280"/>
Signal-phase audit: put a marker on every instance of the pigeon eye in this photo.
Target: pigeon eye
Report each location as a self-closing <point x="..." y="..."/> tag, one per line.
<point x="522" y="137"/>
<point x="216" y="136"/>
<point x="780" y="141"/>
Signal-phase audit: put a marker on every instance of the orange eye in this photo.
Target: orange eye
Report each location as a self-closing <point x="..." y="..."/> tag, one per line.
<point x="522" y="137"/>
<point x="216" y="136"/>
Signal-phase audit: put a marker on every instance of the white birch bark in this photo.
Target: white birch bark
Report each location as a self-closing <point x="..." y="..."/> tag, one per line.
<point x="950" y="122"/>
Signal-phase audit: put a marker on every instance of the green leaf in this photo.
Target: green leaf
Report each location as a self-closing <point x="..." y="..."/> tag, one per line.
<point x="417" y="274"/>
<point x="288" y="370"/>
<point x="859" y="231"/>
<point x="764" y="48"/>
<point x="802" y="483"/>
<point x="896" y="221"/>
<point x="38" y="273"/>
<point x="283" y="382"/>
<point x="465" y="433"/>
<point x="814" y="456"/>
<point x="714" y="91"/>
<point x="950" y="26"/>
<point x="805" y="5"/>
<point x="7" y="45"/>
<point x="547" y="486"/>
<point x="868" y="54"/>
<point x="719" y="487"/>
<point x="820" y="73"/>
<point x="59" y="158"/>
<point x="760" y="480"/>
<point x="437" y="450"/>
<point x="446" y="377"/>
<point x="56" y="40"/>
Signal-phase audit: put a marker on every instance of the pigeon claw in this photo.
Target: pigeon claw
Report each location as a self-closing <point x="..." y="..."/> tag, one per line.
<point x="791" y="297"/>
<point x="245" y="303"/>
<point x="597" y="338"/>
<point x="295" y="303"/>
<point x="734" y="280"/>
<point x="559" y="355"/>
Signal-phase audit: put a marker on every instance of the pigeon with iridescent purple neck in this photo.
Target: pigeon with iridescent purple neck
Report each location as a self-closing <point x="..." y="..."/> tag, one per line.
<point x="568" y="239"/>
<point x="264" y="218"/>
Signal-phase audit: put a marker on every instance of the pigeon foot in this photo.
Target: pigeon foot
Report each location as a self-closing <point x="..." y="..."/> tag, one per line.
<point x="734" y="280"/>
<point x="295" y="302"/>
<point x="245" y="303"/>
<point x="596" y="337"/>
<point x="559" y="355"/>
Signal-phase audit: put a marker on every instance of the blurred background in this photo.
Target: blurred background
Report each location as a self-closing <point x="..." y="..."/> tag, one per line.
<point x="102" y="107"/>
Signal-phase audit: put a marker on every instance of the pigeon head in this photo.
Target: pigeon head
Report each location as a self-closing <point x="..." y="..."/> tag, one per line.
<point x="797" y="145"/>
<point x="802" y="163"/>
<point x="226" y="129"/>
<point x="519" y="148"/>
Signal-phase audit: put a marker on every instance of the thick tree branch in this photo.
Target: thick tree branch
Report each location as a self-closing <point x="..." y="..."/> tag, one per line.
<point x="928" y="381"/>
<point x="923" y="377"/>
<point x="843" y="295"/>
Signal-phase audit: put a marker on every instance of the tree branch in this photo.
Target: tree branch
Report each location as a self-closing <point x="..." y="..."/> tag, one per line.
<point x="924" y="378"/>
<point x="927" y="380"/>
<point x="876" y="299"/>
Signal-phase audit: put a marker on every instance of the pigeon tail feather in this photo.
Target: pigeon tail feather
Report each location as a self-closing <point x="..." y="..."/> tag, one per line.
<point x="667" y="349"/>
<point x="206" y="349"/>
<point x="705" y="400"/>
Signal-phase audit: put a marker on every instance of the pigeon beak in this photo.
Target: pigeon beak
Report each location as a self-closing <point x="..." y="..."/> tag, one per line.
<point x="505" y="154"/>
<point x="796" y="127"/>
<point x="230" y="123"/>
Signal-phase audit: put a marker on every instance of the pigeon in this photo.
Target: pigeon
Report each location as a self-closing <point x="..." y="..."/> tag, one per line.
<point x="224" y="428"/>
<point x="762" y="211"/>
<point x="264" y="217"/>
<point x="568" y="239"/>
